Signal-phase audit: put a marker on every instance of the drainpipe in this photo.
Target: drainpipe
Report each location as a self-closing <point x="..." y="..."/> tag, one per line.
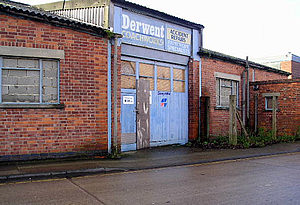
<point x="200" y="91"/>
<point x="109" y="95"/>
<point x="115" y="96"/>
<point x="246" y="99"/>
<point x="248" y="92"/>
<point x="200" y="84"/>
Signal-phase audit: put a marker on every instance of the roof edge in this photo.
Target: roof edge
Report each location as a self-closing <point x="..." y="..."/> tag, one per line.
<point x="156" y="14"/>
<point x="231" y="59"/>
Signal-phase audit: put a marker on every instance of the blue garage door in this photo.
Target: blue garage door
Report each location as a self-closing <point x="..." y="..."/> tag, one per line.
<point x="168" y="101"/>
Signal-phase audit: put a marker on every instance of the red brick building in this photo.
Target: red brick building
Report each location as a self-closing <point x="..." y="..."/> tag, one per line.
<point x="222" y="75"/>
<point x="54" y="79"/>
<point x="56" y="97"/>
<point x="287" y="94"/>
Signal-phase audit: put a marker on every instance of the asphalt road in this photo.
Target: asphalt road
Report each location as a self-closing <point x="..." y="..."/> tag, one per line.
<point x="266" y="180"/>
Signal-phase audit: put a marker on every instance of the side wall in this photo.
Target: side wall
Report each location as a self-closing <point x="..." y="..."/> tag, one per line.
<point x="288" y="115"/>
<point x="219" y="118"/>
<point x="193" y="99"/>
<point x="82" y="125"/>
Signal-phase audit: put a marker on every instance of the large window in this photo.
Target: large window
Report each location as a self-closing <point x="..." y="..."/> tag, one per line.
<point x="162" y="77"/>
<point x="225" y="88"/>
<point x="29" y="80"/>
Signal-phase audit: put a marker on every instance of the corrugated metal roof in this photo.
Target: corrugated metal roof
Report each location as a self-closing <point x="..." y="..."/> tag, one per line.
<point x="25" y="10"/>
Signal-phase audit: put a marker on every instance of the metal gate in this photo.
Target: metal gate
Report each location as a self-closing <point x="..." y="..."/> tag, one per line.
<point x="168" y="103"/>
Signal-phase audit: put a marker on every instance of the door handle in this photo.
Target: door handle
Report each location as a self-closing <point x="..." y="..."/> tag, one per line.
<point x="136" y="111"/>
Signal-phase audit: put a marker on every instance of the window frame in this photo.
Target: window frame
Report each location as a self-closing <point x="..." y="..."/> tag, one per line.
<point x="164" y="79"/>
<point x="218" y="95"/>
<point x="39" y="104"/>
<point x="177" y="80"/>
<point x="138" y="74"/>
<point x="271" y="95"/>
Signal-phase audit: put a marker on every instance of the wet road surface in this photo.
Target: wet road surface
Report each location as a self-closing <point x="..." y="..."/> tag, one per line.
<point x="265" y="180"/>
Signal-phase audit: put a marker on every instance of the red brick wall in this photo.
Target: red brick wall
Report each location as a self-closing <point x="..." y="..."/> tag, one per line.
<point x="288" y="116"/>
<point x="82" y="124"/>
<point x="219" y="119"/>
<point x="295" y="69"/>
<point x="193" y="99"/>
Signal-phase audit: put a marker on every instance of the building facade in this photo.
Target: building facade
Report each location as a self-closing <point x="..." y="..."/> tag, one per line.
<point x="54" y="85"/>
<point x="70" y="86"/>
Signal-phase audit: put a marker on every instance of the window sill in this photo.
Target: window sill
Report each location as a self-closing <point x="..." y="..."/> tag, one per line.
<point x="221" y="108"/>
<point x="32" y="106"/>
<point x="225" y="108"/>
<point x="271" y="110"/>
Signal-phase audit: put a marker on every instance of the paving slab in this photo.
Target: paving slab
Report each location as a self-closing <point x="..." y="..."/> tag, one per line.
<point x="167" y="156"/>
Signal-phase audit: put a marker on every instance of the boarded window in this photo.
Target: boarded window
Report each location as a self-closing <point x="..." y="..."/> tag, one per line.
<point x="24" y="78"/>
<point x="50" y="73"/>
<point x="163" y="72"/>
<point x="128" y="71"/>
<point x="147" y="73"/>
<point x="179" y="80"/>
<point x="163" y="78"/>
<point x="225" y="88"/>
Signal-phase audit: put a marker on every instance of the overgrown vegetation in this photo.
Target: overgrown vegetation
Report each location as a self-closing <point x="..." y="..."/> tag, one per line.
<point x="261" y="139"/>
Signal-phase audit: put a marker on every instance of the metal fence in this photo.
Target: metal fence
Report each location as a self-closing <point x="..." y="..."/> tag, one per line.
<point x="92" y="15"/>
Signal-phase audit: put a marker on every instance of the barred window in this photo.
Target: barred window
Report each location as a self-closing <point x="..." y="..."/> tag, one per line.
<point x="29" y="80"/>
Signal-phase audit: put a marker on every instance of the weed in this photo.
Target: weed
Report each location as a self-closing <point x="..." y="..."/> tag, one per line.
<point x="261" y="139"/>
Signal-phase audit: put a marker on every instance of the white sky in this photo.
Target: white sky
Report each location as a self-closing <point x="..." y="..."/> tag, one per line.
<point x="254" y="28"/>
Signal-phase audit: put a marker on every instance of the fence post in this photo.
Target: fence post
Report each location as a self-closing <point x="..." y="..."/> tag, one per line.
<point x="232" y="120"/>
<point x="256" y="113"/>
<point x="274" y="120"/>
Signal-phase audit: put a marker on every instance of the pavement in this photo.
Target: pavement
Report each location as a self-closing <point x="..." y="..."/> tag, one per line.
<point x="158" y="157"/>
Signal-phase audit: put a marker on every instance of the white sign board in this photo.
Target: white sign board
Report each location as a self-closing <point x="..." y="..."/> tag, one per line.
<point x="129" y="100"/>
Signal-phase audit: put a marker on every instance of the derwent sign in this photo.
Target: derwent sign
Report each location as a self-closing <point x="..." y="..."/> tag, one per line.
<point x="149" y="32"/>
<point x="144" y="28"/>
<point x="139" y="30"/>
